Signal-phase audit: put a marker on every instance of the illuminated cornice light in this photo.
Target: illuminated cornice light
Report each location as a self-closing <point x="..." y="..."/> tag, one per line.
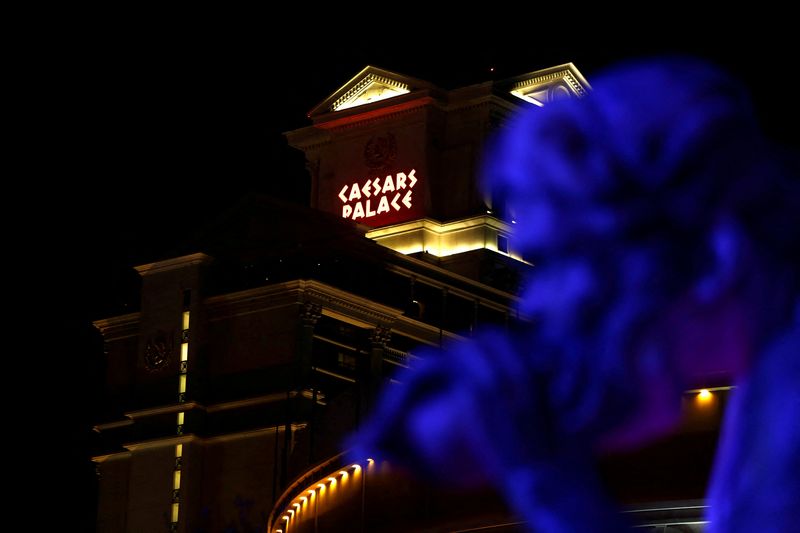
<point x="449" y="238"/>
<point x="378" y="195"/>
<point x="550" y="84"/>
<point x="372" y="88"/>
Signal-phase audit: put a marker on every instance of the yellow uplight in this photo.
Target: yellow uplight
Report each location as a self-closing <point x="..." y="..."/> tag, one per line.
<point x="704" y="395"/>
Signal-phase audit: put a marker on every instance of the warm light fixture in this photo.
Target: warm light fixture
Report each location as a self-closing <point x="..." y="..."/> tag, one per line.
<point x="704" y="395"/>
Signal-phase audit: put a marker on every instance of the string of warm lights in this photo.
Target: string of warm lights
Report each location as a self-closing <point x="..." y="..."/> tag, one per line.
<point x="309" y="496"/>
<point x="302" y="503"/>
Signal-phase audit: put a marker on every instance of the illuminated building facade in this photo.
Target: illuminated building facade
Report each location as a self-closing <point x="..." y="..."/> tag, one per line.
<point x="229" y="393"/>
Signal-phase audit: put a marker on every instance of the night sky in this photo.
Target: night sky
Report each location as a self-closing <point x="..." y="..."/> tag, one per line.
<point x="156" y="126"/>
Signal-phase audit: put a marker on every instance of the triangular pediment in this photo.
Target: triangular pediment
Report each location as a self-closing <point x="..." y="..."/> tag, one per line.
<point x="543" y="86"/>
<point x="370" y="85"/>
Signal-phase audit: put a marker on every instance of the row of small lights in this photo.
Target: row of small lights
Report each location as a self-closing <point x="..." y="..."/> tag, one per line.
<point x="290" y="513"/>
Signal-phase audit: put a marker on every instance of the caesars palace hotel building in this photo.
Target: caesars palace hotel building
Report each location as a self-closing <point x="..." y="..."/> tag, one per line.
<point x="228" y="394"/>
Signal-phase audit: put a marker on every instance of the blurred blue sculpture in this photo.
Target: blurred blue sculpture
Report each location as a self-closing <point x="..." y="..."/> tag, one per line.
<point x="666" y="238"/>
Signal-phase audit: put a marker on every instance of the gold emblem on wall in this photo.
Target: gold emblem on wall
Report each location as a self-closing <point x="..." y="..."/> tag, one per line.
<point x="158" y="351"/>
<point x="380" y="151"/>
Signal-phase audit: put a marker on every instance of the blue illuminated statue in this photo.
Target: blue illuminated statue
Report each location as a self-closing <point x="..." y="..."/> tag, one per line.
<point x="666" y="239"/>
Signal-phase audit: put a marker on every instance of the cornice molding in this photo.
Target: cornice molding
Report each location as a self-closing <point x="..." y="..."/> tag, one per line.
<point x="164" y="410"/>
<point x="252" y="433"/>
<point x="255" y="300"/>
<point x="361" y="80"/>
<point x="118" y="327"/>
<point x="344" y="305"/>
<point x="568" y="72"/>
<point x="110" y="457"/>
<point x="173" y="264"/>
<point x="250" y="402"/>
<point x="422" y="332"/>
<point x="383" y="114"/>
<point x="335" y="303"/>
<point x="162" y="442"/>
<point x="108" y="426"/>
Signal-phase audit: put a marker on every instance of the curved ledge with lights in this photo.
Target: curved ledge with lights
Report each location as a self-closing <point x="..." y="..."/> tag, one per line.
<point x="323" y="488"/>
<point x="371" y="496"/>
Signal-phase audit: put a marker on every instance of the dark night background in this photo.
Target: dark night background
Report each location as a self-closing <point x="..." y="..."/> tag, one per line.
<point x="154" y="126"/>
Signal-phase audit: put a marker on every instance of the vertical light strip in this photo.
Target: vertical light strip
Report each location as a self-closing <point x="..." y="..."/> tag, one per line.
<point x="182" y="379"/>
<point x="184" y="364"/>
<point x="176" y="485"/>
